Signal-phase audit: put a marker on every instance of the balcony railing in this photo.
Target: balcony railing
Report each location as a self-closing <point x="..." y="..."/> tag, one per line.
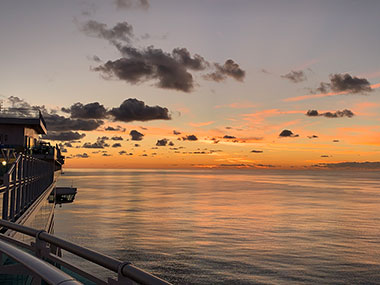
<point x="48" y="247"/>
<point x="26" y="179"/>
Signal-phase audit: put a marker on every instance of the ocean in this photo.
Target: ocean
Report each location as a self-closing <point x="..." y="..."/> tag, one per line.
<point x="229" y="226"/>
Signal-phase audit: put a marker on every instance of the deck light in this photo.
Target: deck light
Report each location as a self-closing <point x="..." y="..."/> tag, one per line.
<point x="4" y="163"/>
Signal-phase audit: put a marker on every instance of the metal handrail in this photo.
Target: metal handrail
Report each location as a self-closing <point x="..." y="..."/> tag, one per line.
<point x="45" y="271"/>
<point x="26" y="179"/>
<point x="125" y="268"/>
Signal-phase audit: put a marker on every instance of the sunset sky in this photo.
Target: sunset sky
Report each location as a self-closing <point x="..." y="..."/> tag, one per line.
<point x="181" y="84"/>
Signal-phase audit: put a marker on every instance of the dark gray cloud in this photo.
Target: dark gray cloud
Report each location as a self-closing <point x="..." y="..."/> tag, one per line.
<point x="83" y="155"/>
<point x="257" y="151"/>
<point x="151" y="63"/>
<point x="116" y="145"/>
<point x="117" y="138"/>
<point x="120" y="32"/>
<point x="171" y="70"/>
<point x="313" y="137"/>
<point x="336" y="114"/>
<point x="171" y="144"/>
<point x="100" y="143"/>
<point x="136" y="135"/>
<point x="135" y="110"/>
<point x="335" y="141"/>
<point x="136" y="145"/>
<point x="68" y="144"/>
<point x="295" y="76"/>
<point x="287" y="133"/>
<point x="55" y="122"/>
<point x="176" y="132"/>
<point x="117" y="128"/>
<point x="228" y="69"/>
<point x="324" y="155"/>
<point x="64" y="136"/>
<point x="351" y="164"/>
<point x="106" y="154"/>
<point x="162" y="142"/>
<point x="88" y="111"/>
<point x="122" y="152"/>
<point x="229" y="137"/>
<point x="345" y="83"/>
<point x="190" y="138"/>
<point x="128" y="4"/>
<point x="183" y="56"/>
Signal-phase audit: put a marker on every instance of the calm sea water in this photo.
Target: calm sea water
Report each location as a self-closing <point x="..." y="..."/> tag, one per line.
<point x="230" y="227"/>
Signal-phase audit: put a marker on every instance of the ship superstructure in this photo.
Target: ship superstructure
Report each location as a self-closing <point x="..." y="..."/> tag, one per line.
<point x="29" y="253"/>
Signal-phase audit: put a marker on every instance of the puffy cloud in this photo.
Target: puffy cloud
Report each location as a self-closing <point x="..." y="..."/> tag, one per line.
<point x="182" y="55"/>
<point x="100" y="143"/>
<point x="287" y="133"/>
<point x="136" y="135"/>
<point x="228" y="69"/>
<point x="117" y="128"/>
<point x="151" y="63"/>
<point x="56" y="122"/>
<point x="162" y="142"/>
<point x="229" y="137"/>
<point x="120" y="32"/>
<point x="83" y="155"/>
<point x="295" y="76"/>
<point x="116" y="138"/>
<point x="171" y="70"/>
<point x="336" y="114"/>
<point x="64" y="136"/>
<point x="116" y="145"/>
<point x="135" y="110"/>
<point x="176" y="132"/>
<point x="257" y="151"/>
<point x="345" y="83"/>
<point x="88" y="111"/>
<point x="190" y="138"/>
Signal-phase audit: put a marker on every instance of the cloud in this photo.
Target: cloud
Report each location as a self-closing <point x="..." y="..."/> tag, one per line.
<point x="349" y="164"/>
<point x="55" y="122"/>
<point x="336" y="114"/>
<point x="88" y="111"/>
<point x="135" y="110"/>
<point x="117" y="128"/>
<point x="295" y="76"/>
<point x="120" y="32"/>
<point x="162" y="142"/>
<point x="106" y="154"/>
<point x="64" y="136"/>
<point x="345" y="83"/>
<point x="116" y="138"/>
<point x="228" y="69"/>
<point x="151" y="63"/>
<point x="170" y="70"/>
<point x="190" y="138"/>
<point x="176" y="132"/>
<point x="229" y="137"/>
<point x="136" y="135"/>
<point x="116" y="145"/>
<point x="313" y="137"/>
<point x="257" y="151"/>
<point x="335" y="141"/>
<point x="171" y="143"/>
<point x="183" y="56"/>
<point x="287" y="133"/>
<point x="122" y="152"/>
<point x="128" y="4"/>
<point x="83" y="155"/>
<point x="100" y="143"/>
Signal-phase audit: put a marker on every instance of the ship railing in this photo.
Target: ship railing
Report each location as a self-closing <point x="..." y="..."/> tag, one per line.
<point x="48" y="247"/>
<point x="25" y="180"/>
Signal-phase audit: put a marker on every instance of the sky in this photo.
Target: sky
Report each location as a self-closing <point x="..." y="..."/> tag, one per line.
<point x="198" y="84"/>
